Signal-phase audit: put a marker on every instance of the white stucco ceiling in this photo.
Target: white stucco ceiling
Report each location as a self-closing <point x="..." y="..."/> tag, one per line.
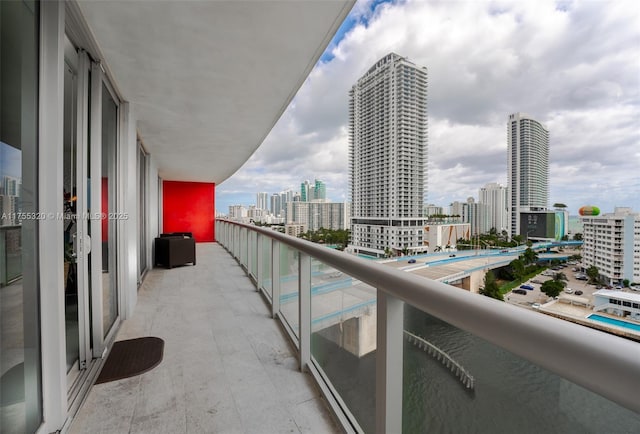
<point x="208" y="80"/>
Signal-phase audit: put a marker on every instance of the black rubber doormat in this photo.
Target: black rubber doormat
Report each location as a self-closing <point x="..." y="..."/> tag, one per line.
<point x="131" y="357"/>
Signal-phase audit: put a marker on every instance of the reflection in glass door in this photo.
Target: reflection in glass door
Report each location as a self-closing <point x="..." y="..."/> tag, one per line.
<point x="70" y="177"/>
<point x="109" y="215"/>
<point x="20" y="361"/>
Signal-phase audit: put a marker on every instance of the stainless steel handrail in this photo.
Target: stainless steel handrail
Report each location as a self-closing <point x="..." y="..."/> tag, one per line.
<point x="605" y="364"/>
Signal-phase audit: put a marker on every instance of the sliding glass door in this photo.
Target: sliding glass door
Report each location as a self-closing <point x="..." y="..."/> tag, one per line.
<point x="90" y="218"/>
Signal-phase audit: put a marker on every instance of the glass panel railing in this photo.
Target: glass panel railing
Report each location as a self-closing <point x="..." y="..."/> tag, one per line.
<point x="343" y="338"/>
<point x="10" y="254"/>
<point x="289" y="287"/>
<point x="243" y="246"/>
<point x="266" y="265"/>
<point x="253" y="252"/>
<point x="457" y="382"/>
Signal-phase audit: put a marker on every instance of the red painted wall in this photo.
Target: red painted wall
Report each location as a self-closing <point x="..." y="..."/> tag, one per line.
<point x="189" y="207"/>
<point x="105" y="209"/>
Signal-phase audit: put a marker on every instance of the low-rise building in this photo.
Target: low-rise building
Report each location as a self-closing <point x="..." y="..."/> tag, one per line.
<point x="620" y="303"/>
<point x="295" y="229"/>
<point x="443" y="235"/>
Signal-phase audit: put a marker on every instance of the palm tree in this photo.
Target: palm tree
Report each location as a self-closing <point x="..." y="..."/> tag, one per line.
<point x="593" y="274"/>
<point x="529" y="256"/>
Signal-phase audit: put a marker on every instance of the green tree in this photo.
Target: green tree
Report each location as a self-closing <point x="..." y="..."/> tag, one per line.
<point x="560" y="277"/>
<point x="491" y="288"/>
<point x="529" y="256"/>
<point x="625" y="283"/>
<point x="517" y="239"/>
<point x="517" y="268"/>
<point x="552" y="287"/>
<point x="593" y="273"/>
<point x="577" y="236"/>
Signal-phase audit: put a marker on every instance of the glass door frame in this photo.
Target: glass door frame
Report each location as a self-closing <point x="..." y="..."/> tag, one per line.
<point x="81" y="243"/>
<point x="114" y="223"/>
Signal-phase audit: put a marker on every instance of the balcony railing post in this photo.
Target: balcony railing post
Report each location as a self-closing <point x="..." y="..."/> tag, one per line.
<point x="389" y="359"/>
<point x="304" y="309"/>
<point x="275" y="278"/>
<point x="260" y="239"/>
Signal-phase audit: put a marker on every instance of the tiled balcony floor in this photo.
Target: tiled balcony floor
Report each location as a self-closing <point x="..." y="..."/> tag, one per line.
<point x="227" y="365"/>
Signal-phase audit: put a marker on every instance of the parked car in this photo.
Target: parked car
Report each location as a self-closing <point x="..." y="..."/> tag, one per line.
<point x="519" y="291"/>
<point x="452" y="256"/>
<point x="527" y="287"/>
<point x="412" y="261"/>
<point x="539" y="282"/>
<point x="578" y="292"/>
<point x="568" y="290"/>
<point x="536" y="305"/>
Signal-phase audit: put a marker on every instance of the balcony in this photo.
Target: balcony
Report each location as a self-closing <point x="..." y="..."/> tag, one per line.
<point x="393" y="352"/>
<point x="227" y="365"/>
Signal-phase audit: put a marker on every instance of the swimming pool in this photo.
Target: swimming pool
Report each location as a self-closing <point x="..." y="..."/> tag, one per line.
<point x="615" y="322"/>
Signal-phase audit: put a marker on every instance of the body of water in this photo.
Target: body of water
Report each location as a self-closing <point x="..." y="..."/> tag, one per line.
<point x="511" y="395"/>
<point x="615" y="322"/>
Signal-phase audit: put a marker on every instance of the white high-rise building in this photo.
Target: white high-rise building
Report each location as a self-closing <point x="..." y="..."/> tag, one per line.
<point x="316" y="215"/>
<point x="276" y="204"/>
<point x="527" y="167"/>
<point x="611" y="242"/>
<point x="262" y="201"/>
<point x="494" y="196"/>
<point x="387" y="157"/>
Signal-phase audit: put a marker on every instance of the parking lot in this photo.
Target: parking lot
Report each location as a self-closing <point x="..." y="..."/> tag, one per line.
<point x="537" y="296"/>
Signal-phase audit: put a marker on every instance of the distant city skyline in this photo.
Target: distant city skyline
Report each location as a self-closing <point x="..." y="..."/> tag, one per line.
<point x="571" y="65"/>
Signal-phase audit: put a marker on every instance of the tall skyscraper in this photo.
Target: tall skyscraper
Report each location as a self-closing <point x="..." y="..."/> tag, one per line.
<point x="262" y="201"/>
<point x="527" y="167"/>
<point x="305" y="191"/>
<point x="276" y="204"/>
<point x="494" y="196"/>
<point x="319" y="191"/>
<point x="387" y="157"/>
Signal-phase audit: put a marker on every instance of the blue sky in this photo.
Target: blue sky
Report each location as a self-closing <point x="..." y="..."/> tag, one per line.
<point x="573" y="65"/>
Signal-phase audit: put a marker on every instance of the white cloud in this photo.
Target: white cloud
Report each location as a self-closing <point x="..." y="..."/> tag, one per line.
<point x="574" y="65"/>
